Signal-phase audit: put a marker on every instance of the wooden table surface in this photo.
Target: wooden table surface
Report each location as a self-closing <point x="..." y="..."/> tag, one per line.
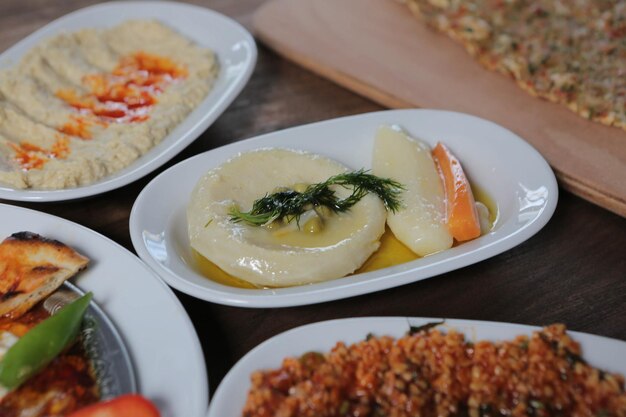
<point x="573" y="271"/>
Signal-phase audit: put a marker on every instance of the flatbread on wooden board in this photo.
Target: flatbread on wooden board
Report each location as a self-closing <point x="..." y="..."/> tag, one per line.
<point x="31" y="268"/>
<point x="572" y="53"/>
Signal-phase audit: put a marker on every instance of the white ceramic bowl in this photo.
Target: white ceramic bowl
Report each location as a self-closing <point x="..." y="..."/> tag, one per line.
<point x="513" y="173"/>
<point x="233" y="45"/>
<point x="230" y="396"/>
<point x="161" y="340"/>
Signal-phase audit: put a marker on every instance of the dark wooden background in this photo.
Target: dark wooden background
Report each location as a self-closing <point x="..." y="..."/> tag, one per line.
<point x="573" y="271"/>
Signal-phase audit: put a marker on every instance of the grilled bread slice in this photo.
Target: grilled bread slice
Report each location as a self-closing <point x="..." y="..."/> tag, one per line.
<point x="31" y="268"/>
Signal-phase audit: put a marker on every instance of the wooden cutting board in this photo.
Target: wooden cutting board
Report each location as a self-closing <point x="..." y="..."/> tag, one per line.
<point x="378" y="49"/>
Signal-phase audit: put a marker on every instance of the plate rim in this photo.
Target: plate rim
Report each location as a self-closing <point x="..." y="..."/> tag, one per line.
<point x="268" y="298"/>
<point x="455" y="323"/>
<point x="196" y="346"/>
<point x="104" y="318"/>
<point x="117" y="180"/>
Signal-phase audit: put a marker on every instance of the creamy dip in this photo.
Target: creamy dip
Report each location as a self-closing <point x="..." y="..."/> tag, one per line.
<point x="280" y="255"/>
<point x="83" y="105"/>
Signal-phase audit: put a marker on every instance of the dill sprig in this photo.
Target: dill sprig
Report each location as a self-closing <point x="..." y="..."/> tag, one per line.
<point x="292" y="204"/>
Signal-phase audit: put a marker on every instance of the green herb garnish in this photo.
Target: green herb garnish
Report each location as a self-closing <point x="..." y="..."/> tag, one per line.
<point x="344" y="408"/>
<point x="537" y="405"/>
<point x="424" y="327"/>
<point x="42" y="343"/>
<point x="292" y="204"/>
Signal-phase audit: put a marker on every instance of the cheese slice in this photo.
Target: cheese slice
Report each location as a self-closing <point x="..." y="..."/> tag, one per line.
<point x="32" y="267"/>
<point x="421" y="223"/>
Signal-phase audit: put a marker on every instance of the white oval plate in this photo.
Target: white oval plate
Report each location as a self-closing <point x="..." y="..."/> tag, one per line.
<point x="233" y="45"/>
<point x="506" y="167"/>
<point x="163" y="345"/>
<point x="231" y="395"/>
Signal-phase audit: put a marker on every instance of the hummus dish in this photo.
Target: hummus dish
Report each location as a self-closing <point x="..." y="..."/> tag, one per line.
<point x="81" y="106"/>
<point x="316" y="247"/>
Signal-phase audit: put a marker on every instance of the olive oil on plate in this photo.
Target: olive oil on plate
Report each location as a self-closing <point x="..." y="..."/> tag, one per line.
<point x="391" y="251"/>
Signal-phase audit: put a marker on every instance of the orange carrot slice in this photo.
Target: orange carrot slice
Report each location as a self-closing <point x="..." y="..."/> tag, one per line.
<point x="462" y="216"/>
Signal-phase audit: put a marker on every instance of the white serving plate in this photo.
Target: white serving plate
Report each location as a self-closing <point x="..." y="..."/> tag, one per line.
<point x="163" y="345"/>
<point x="230" y="396"/>
<point x="233" y="45"/>
<point x="512" y="172"/>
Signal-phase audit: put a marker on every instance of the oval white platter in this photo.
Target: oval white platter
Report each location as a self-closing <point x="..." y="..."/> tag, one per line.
<point x="513" y="173"/>
<point x="233" y="45"/>
<point x="163" y="345"/>
<point x="232" y="392"/>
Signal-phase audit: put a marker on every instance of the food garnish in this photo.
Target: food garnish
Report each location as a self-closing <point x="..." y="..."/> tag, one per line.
<point x="130" y="405"/>
<point x="425" y="327"/>
<point x="292" y="204"/>
<point x="33" y="351"/>
<point x="462" y="216"/>
<point x="125" y="95"/>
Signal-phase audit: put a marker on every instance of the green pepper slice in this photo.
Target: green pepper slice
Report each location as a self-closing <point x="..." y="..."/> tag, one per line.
<point x="42" y="343"/>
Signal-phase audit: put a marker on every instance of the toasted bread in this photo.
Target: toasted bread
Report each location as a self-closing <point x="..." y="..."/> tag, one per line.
<point x="31" y="268"/>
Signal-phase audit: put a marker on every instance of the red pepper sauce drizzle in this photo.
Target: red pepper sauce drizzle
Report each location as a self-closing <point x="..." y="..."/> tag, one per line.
<point x="30" y="156"/>
<point x="127" y="94"/>
<point x="79" y="126"/>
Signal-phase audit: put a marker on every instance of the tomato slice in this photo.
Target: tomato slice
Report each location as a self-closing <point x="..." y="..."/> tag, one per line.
<point x="131" y="405"/>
